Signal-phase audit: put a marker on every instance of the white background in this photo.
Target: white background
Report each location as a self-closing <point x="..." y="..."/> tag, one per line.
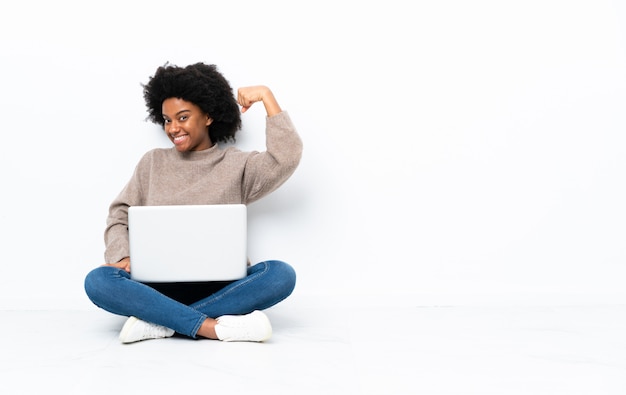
<point x="455" y="151"/>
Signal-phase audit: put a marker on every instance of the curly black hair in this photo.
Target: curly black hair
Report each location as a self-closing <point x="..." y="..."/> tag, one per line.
<point x="201" y="84"/>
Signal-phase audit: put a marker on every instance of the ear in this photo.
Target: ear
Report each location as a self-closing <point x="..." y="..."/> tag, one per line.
<point x="209" y="121"/>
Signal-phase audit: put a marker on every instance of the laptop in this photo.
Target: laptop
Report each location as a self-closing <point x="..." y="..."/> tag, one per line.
<point x="188" y="243"/>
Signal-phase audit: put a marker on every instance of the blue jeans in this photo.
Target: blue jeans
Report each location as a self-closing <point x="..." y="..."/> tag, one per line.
<point x="112" y="289"/>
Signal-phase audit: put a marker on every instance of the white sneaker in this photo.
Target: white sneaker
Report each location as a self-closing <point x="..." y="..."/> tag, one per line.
<point x="253" y="327"/>
<point x="135" y="330"/>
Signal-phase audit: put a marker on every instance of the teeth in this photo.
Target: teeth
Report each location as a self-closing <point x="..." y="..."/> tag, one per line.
<point x="178" y="138"/>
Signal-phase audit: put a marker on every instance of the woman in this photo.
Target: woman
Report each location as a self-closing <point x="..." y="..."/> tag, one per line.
<point x="196" y="106"/>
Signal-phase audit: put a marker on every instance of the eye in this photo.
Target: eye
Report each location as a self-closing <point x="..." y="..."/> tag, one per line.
<point x="166" y="121"/>
<point x="183" y="118"/>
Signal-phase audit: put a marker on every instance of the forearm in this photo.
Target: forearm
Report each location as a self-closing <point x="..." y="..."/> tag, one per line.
<point x="116" y="232"/>
<point x="116" y="243"/>
<point x="271" y="104"/>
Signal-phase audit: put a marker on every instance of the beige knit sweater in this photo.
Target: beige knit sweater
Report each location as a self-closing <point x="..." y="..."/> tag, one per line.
<point x="165" y="176"/>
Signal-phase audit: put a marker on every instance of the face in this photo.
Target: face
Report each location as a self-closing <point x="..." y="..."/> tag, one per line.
<point x="186" y="125"/>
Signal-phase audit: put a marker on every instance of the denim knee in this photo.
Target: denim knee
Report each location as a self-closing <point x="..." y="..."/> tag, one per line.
<point x="98" y="283"/>
<point x="92" y="281"/>
<point x="284" y="277"/>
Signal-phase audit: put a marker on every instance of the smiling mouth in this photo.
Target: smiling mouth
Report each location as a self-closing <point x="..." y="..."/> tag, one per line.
<point x="179" y="139"/>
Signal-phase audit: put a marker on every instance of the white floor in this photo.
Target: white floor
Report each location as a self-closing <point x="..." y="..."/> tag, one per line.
<point x="329" y="350"/>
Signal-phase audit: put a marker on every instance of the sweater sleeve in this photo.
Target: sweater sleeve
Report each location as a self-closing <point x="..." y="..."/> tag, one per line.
<point x="116" y="231"/>
<point x="268" y="170"/>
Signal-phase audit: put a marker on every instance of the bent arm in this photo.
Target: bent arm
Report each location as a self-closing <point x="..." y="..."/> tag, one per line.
<point x="268" y="170"/>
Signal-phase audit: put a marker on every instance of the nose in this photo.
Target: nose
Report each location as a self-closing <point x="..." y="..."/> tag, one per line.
<point x="172" y="127"/>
